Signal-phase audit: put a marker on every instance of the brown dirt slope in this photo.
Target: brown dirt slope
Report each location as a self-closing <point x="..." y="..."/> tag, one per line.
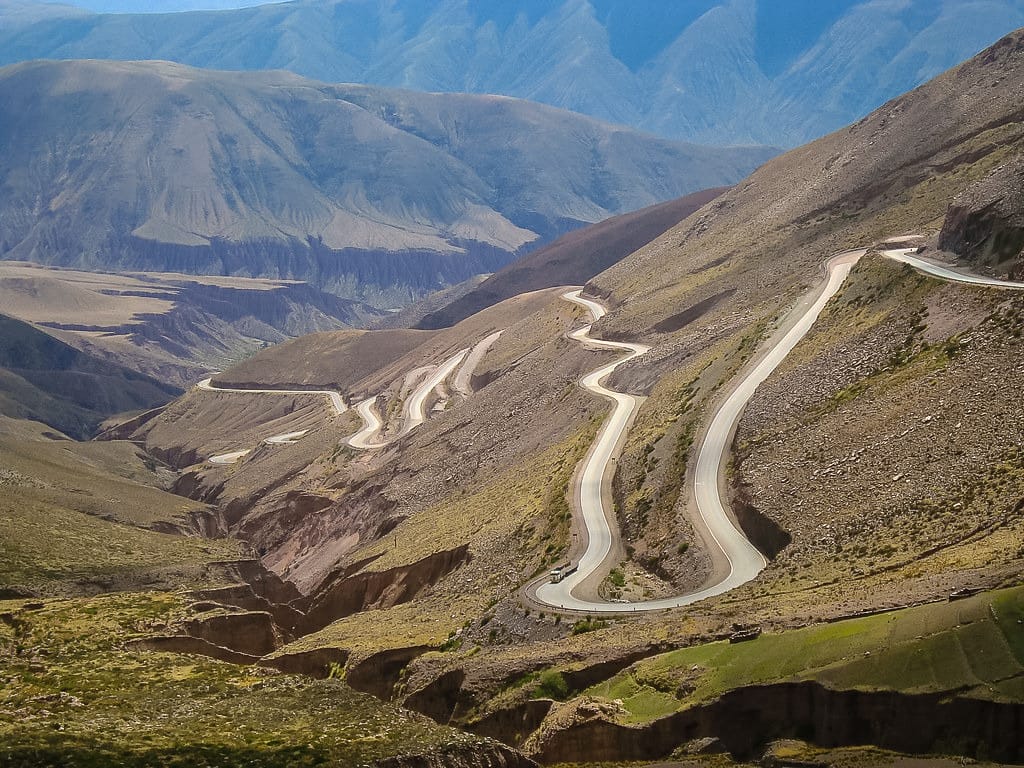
<point x="360" y="363"/>
<point x="333" y="360"/>
<point x="573" y="258"/>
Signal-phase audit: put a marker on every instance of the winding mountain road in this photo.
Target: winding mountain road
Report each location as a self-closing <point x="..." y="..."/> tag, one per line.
<point x="744" y="560"/>
<point x="413" y="411"/>
<point x="365" y="438"/>
<point x="941" y="271"/>
<point x="600" y="529"/>
<point x="232" y="457"/>
<point x="463" y="381"/>
<point x="335" y="398"/>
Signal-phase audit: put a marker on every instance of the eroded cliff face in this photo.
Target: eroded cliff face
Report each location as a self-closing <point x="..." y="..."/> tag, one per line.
<point x="985" y="224"/>
<point x="381" y="589"/>
<point x="747" y="719"/>
<point x="471" y="756"/>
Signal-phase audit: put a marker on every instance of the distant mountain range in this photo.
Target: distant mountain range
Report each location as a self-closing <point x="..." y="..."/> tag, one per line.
<point x="368" y="193"/>
<point x="711" y="71"/>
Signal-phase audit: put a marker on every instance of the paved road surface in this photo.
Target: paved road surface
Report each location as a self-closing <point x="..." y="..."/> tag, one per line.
<point x="463" y="381"/>
<point x="230" y="458"/>
<point x="336" y="400"/>
<point x="366" y="438"/>
<point x="908" y="256"/>
<point x="288" y="438"/>
<point x="414" y="412"/>
<point x="589" y="500"/>
<point x="745" y="562"/>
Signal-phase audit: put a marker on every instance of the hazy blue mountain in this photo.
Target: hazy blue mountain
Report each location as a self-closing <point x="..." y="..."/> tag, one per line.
<point x="162" y="6"/>
<point x="370" y="193"/>
<point x="713" y="71"/>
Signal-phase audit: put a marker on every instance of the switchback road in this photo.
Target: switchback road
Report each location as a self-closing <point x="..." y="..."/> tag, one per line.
<point x="743" y="561"/>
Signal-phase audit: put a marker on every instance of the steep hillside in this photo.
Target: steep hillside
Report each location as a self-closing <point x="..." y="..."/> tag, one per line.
<point x="572" y="259"/>
<point x="377" y="195"/>
<point x="712" y="71"/>
<point x="45" y="380"/>
<point x="877" y="466"/>
<point x="94" y="556"/>
<point x="985" y="224"/>
<point x="818" y="446"/>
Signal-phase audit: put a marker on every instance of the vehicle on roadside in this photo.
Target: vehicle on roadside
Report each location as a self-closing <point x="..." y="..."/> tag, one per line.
<point x="559" y="573"/>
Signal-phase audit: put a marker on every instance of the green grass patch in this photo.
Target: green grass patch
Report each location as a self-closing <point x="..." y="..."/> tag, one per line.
<point x="588" y="625"/>
<point x="971" y="645"/>
<point x="642" y="702"/>
<point x="551" y="684"/>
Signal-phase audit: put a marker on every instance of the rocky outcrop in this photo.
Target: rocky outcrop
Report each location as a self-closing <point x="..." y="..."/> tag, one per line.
<point x="250" y="632"/>
<point x="242" y="596"/>
<point x="381" y="589"/>
<point x="485" y="755"/>
<point x="985" y="224"/>
<point x="586" y="675"/>
<point x="746" y="719"/>
<point x="512" y="725"/>
<point x="438" y="699"/>
<point x="317" y="662"/>
<point x="764" y="533"/>
<point x="265" y="583"/>
<point x="125" y="429"/>
<point x="378" y="674"/>
<point x="205" y="523"/>
<point x="193" y="645"/>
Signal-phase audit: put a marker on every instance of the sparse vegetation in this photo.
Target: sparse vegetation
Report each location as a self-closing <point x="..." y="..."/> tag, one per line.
<point x="551" y="685"/>
<point x="73" y="694"/>
<point x="588" y="625"/>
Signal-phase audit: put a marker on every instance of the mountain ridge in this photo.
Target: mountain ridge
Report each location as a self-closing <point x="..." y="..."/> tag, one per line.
<point x="714" y="71"/>
<point x="372" y="194"/>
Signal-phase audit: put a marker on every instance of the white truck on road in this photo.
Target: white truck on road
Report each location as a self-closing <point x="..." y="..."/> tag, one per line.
<point x="559" y="573"/>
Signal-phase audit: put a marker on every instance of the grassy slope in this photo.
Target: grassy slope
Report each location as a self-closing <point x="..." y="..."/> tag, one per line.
<point x="73" y="694"/>
<point x="83" y="512"/>
<point x="74" y="691"/>
<point x="973" y="647"/>
<point x="529" y="528"/>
